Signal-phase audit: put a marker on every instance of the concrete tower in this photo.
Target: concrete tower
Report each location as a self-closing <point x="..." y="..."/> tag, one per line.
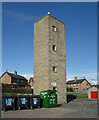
<point x="50" y="56"/>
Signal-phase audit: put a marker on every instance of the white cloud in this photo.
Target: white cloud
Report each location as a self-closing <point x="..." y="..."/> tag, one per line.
<point x="91" y="77"/>
<point x="18" y="16"/>
<point x="27" y="76"/>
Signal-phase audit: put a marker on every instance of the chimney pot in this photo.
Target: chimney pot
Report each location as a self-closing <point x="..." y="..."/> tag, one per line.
<point x="84" y="77"/>
<point x="75" y="78"/>
<point x="15" y="72"/>
<point x="6" y="70"/>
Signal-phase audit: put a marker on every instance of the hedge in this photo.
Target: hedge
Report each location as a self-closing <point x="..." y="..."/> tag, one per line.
<point x="17" y="90"/>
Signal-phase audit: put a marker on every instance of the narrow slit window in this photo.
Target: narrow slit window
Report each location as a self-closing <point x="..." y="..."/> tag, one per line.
<point x="54" y="48"/>
<point x="53" y="28"/>
<point x="54" y="88"/>
<point x="54" y="69"/>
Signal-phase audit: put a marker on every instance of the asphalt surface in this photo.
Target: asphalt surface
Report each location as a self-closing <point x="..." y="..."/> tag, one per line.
<point x="78" y="108"/>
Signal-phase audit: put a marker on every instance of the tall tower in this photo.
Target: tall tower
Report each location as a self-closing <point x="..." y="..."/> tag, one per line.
<point x="50" y="56"/>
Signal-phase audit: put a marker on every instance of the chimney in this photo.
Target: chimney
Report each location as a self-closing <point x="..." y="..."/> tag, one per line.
<point x="75" y="78"/>
<point x="15" y="72"/>
<point x="6" y="70"/>
<point x="84" y="77"/>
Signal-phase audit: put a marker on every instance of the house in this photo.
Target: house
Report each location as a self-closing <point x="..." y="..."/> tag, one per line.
<point x="14" y="80"/>
<point x="79" y="84"/>
<point x="31" y="82"/>
<point x="97" y="86"/>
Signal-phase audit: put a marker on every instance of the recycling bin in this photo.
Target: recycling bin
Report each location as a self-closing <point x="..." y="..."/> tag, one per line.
<point x="22" y="101"/>
<point x="35" y="101"/>
<point x="8" y="102"/>
<point x="49" y="98"/>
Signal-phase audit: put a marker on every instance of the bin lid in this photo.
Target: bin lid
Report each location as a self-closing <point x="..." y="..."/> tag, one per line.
<point x="47" y="91"/>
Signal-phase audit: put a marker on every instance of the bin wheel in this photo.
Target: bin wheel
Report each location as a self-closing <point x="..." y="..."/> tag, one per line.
<point x="19" y="108"/>
<point x="13" y="108"/>
<point x="31" y="107"/>
<point x="39" y="106"/>
<point x="4" y="109"/>
<point x="27" y="107"/>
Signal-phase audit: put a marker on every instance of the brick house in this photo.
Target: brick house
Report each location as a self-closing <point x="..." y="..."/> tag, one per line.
<point x="31" y="82"/>
<point x="13" y="79"/>
<point x="79" y="84"/>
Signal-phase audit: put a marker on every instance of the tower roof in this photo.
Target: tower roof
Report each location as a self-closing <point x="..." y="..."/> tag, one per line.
<point x="49" y="16"/>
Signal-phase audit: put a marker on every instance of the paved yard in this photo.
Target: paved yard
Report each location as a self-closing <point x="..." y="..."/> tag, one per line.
<point x="78" y="108"/>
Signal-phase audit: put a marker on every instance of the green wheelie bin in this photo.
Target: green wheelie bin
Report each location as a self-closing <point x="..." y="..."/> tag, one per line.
<point x="49" y="98"/>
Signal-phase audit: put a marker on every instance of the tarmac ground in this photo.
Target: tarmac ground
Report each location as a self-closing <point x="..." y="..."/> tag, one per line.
<point x="78" y="108"/>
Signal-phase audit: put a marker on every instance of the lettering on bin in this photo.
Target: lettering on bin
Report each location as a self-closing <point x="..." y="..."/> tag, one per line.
<point x="9" y="101"/>
<point x="52" y="96"/>
<point x="35" y="100"/>
<point x="23" y="100"/>
<point x="44" y="93"/>
<point x="52" y="101"/>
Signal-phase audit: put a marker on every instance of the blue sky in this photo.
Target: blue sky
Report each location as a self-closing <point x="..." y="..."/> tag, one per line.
<point x="81" y="36"/>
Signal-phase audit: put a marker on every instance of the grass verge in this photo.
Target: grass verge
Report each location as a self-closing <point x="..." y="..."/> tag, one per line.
<point x="76" y="96"/>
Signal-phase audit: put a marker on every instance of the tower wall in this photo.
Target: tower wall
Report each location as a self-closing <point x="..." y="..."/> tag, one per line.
<point x="41" y="55"/>
<point x="57" y="58"/>
<point x="45" y="57"/>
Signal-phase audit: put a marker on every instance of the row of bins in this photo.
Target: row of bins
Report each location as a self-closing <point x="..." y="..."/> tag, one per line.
<point x="20" y="101"/>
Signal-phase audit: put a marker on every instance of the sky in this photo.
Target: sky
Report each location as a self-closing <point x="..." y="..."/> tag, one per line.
<point x="81" y="36"/>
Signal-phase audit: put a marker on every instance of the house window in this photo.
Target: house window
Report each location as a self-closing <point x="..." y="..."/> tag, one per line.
<point x="54" y="48"/>
<point x="17" y="80"/>
<point x="74" y="85"/>
<point x="14" y="80"/>
<point x="87" y="84"/>
<point x="21" y="81"/>
<point x="1" y="78"/>
<point x="54" y="28"/>
<point x="54" y="69"/>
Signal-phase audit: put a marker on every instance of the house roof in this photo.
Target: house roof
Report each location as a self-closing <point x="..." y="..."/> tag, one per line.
<point x="76" y="81"/>
<point x="97" y="86"/>
<point x="15" y="76"/>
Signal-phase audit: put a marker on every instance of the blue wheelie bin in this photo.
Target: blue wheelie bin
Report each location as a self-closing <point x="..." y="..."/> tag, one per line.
<point x="8" y="102"/>
<point x="35" y="101"/>
<point x="22" y="101"/>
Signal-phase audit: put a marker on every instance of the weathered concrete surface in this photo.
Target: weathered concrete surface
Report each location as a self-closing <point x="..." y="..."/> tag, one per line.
<point x="78" y="108"/>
